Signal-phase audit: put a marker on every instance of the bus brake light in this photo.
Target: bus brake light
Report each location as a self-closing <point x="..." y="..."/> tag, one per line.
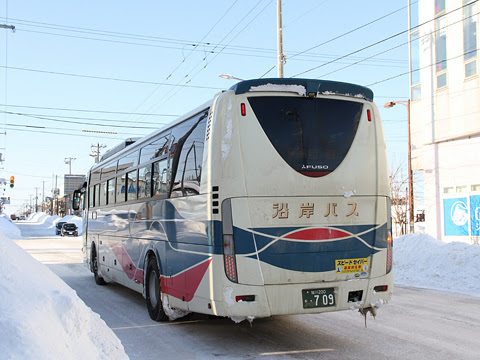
<point x="369" y="115"/>
<point x="243" y="109"/>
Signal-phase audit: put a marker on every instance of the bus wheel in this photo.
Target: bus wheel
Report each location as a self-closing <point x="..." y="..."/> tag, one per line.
<point x="153" y="291"/>
<point x="94" y="261"/>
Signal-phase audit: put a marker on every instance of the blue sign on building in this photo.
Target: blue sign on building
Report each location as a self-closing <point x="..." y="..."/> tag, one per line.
<point x="475" y="214"/>
<point x="455" y="215"/>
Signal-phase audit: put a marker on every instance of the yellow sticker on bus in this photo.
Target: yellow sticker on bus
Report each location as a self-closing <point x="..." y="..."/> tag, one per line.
<point x="347" y="266"/>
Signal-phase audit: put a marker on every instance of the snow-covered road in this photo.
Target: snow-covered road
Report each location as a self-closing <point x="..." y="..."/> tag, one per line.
<point x="417" y="324"/>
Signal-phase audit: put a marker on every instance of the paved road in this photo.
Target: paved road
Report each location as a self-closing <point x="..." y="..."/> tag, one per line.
<point x="416" y="324"/>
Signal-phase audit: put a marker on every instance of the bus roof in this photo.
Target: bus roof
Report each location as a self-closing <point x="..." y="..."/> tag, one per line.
<point x="304" y="87"/>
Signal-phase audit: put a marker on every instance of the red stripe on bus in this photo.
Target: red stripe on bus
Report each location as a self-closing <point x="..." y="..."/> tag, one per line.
<point x="184" y="285"/>
<point x="318" y="234"/>
<point x="125" y="261"/>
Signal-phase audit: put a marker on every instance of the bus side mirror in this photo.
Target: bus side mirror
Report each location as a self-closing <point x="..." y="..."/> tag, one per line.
<point x="77" y="199"/>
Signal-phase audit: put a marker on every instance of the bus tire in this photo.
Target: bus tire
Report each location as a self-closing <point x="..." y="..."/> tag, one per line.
<point x="153" y="291"/>
<point x="94" y="263"/>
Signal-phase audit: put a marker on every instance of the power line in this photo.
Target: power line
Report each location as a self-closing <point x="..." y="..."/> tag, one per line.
<point x="351" y="31"/>
<point x="218" y="53"/>
<point x="85" y="110"/>
<point x="79" y="122"/>
<point x="395" y="47"/>
<point x="106" y="78"/>
<point x="378" y="42"/>
<point x="80" y="118"/>
<point x="425" y="67"/>
<point x="66" y="134"/>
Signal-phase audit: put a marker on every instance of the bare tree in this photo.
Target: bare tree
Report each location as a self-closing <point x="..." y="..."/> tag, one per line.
<point x="399" y="195"/>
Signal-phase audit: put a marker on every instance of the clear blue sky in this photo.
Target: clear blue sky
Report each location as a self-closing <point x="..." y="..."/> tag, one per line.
<point x="185" y="44"/>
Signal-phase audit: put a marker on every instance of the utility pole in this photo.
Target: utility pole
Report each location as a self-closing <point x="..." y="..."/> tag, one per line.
<point x="280" y="54"/>
<point x="69" y="162"/>
<point x="43" y="196"/>
<point x="36" y="199"/>
<point x="96" y="151"/>
<point x="56" y="196"/>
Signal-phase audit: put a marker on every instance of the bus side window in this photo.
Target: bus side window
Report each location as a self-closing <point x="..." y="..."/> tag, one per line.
<point x="132" y="185"/>
<point x="160" y="177"/>
<point x="145" y="181"/>
<point x="188" y="143"/>
<point x="121" y="191"/>
<point x="103" y="194"/>
<point x="91" y="197"/>
<point x="96" y="200"/>
<point x="111" y="191"/>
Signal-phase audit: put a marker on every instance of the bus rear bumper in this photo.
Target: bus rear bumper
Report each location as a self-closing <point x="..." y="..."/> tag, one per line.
<point x="309" y="298"/>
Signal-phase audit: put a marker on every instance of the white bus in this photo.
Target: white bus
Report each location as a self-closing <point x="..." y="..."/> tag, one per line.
<point x="270" y="199"/>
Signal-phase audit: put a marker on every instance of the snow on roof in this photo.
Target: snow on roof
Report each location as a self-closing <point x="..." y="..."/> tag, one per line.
<point x="299" y="89"/>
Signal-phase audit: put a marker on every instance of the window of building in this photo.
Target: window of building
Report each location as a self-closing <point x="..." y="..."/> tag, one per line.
<point x="461" y="189"/>
<point x="448" y="190"/>
<point x="439" y="6"/>
<point x="413" y="14"/>
<point x="470" y="37"/>
<point x="476" y="187"/>
<point x="441" y="50"/>
<point x="415" y="65"/>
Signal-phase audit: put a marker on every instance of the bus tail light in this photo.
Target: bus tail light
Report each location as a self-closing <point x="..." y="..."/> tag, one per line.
<point x="228" y="242"/>
<point x="243" y="109"/>
<point x="389" y="251"/>
<point x="380" y="288"/>
<point x="369" y="115"/>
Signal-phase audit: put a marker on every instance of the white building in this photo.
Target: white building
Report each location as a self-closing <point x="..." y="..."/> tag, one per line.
<point x="445" y="114"/>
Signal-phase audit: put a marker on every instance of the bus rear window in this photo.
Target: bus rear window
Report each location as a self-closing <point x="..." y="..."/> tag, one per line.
<point x="312" y="135"/>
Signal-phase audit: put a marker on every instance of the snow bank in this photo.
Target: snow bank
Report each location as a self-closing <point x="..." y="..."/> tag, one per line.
<point x="8" y="228"/>
<point x="422" y="261"/>
<point x="42" y="318"/>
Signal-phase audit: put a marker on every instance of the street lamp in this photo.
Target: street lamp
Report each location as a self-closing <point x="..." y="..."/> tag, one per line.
<point x="229" y="77"/>
<point x="410" y="174"/>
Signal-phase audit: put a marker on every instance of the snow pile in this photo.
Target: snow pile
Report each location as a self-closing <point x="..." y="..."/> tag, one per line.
<point x="8" y="228"/>
<point x="422" y="261"/>
<point x="42" y="318"/>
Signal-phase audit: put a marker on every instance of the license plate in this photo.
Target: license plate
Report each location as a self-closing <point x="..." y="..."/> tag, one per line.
<point x="314" y="298"/>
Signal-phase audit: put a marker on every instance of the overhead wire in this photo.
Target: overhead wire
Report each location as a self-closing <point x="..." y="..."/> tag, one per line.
<point x="339" y="36"/>
<point x="216" y="54"/>
<point x="79" y="122"/>
<point x="378" y="42"/>
<point x="395" y="47"/>
<point x="85" y="110"/>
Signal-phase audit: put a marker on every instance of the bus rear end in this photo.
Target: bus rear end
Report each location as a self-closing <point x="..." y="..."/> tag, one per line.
<point x="300" y="199"/>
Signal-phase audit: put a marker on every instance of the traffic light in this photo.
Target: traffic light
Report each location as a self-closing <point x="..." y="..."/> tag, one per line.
<point x="12" y="181"/>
